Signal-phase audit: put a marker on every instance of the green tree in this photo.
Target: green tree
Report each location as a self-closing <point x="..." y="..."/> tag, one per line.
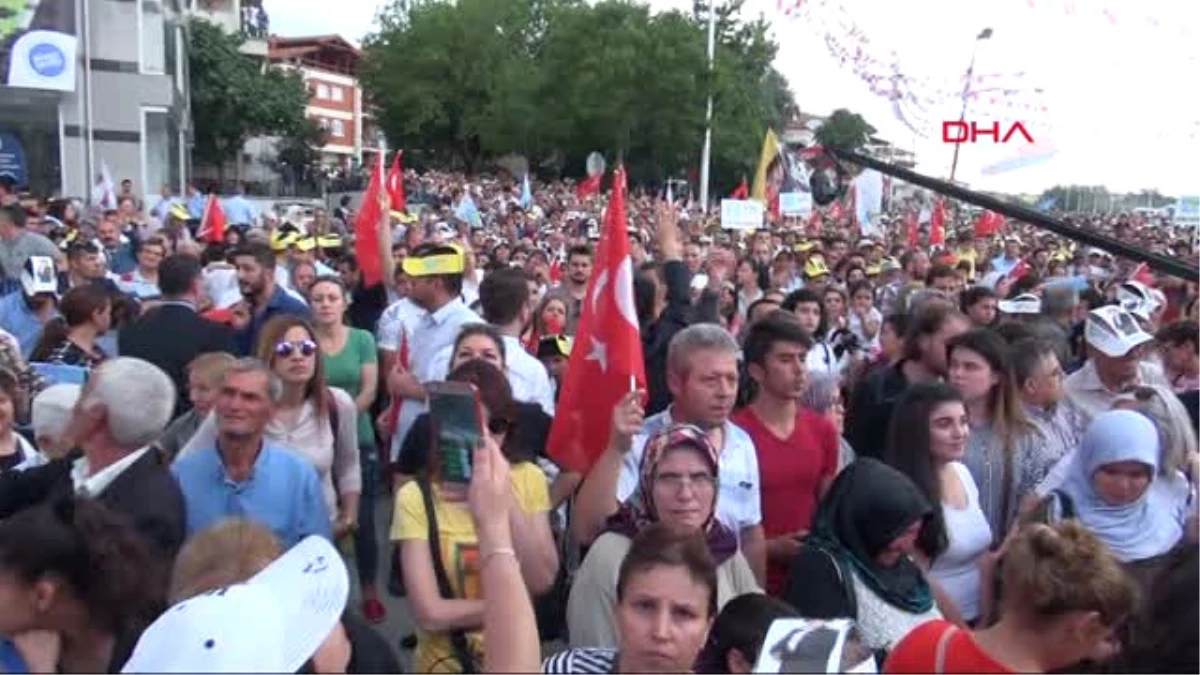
<point x="234" y="98"/>
<point x="844" y="130"/>
<point x="556" y="79"/>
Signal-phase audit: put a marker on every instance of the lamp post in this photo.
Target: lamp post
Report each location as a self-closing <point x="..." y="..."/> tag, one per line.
<point x="706" y="153"/>
<point x="983" y="35"/>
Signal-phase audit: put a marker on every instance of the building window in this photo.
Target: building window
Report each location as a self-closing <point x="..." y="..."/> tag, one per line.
<point x="158" y="167"/>
<point x="323" y="92"/>
<point x="338" y="129"/>
<point x="338" y="94"/>
<point x="152" y="27"/>
<point x="323" y="123"/>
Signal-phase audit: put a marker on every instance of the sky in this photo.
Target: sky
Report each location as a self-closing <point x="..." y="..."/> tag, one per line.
<point x="1122" y="96"/>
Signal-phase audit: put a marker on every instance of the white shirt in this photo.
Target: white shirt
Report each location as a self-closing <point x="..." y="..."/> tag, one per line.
<point x="97" y="483"/>
<point x="431" y="333"/>
<point x="1084" y="388"/>
<point x="527" y="377"/>
<point x="30" y="456"/>
<point x="970" y="535"/>
<point x="739" y="503"/>
<point x="396" y="320"/>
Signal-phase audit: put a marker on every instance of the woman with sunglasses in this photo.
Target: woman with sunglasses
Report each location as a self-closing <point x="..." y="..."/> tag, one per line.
<point x="318" y="422"/>
<point x="449" y="637"/>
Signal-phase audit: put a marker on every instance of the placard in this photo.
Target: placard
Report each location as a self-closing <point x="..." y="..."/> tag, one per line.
<point x="741" y="214"/>
<point x="795" y="203"/>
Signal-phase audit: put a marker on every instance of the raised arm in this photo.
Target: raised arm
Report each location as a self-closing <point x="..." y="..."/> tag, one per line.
<point x="597" y="497"/>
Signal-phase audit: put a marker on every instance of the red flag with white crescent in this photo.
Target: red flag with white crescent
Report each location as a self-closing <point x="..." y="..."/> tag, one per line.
<point x="937" y="224"/>
<point x="606" y="360"/>
<point x="366" y="233"/>
<point x="395" y="185"/>
<point x="912" y="228"/>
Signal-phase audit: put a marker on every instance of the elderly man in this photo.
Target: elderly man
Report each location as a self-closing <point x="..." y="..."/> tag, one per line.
<point x="1115" y="344"/>
<point x="122" y="409"/>
<point x="702" y="374"/>
<point x="51" y="414"/>
<point x="243" y="475"/>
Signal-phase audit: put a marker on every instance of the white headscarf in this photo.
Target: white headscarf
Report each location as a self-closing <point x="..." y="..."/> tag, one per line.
<point x="1148" y="526"/>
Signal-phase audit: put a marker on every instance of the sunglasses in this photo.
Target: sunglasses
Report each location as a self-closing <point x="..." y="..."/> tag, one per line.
<point x="305" y="347"/>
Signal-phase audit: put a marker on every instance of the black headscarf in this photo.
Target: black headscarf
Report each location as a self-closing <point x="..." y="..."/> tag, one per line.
<point x="866" y="508"/>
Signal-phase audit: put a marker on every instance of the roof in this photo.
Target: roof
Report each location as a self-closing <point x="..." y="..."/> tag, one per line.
<point x="311" y="47"/>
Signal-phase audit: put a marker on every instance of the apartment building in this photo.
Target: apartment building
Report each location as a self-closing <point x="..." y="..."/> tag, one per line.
<point x="329" y="65"/>
<point x="128" y="111"/>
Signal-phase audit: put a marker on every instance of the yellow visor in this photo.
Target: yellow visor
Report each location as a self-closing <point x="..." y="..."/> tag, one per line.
<point x="281" y="241"/>
<point x="430" y="265"/>
<point x="306" y="244"/>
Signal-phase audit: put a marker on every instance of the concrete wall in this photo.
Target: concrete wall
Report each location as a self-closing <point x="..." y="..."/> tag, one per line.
<point x="126" y="80"/>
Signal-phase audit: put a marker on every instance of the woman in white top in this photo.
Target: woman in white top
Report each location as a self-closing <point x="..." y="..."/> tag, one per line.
<point x="320" y="423"/>
<point x="865" y="321"/>
<point x="927" y="442"/>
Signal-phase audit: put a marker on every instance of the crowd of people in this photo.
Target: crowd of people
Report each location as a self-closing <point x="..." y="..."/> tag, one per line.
<point x="979" y="456"/>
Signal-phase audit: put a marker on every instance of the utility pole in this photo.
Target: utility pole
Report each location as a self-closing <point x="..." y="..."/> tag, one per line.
<point x="706" y="153"/>
<point x="983" y="35"/>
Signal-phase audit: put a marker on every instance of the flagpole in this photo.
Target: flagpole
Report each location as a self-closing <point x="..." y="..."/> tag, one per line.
<point x="706" y="153"/>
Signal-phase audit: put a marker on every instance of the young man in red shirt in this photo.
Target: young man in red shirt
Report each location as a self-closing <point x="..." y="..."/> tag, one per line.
<point x="797" y="448"/>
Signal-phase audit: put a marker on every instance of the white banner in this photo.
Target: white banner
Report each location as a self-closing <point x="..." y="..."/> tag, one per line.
<point x="868" y="200"/>
<point x="741" y="214"/>
<point x="1187" y="210"/>
<point x="795" y="203"/>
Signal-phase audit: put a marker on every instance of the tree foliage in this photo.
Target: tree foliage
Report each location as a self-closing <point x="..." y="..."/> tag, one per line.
<point x="234" y="98"/>
<point x="1098" y="198"/>
<point x="844" y="130"/>
<point x="464" y="82"/>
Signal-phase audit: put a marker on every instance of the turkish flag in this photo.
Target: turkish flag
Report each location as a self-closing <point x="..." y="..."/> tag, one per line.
<point x="912" y="228"/>
<point x="1142" y="274"/>
<point x="1020" y="270"/>
<point x="213" y="222"/>
<point x="366" y="224"/>
<point x="987" y="224"/>
<point x="395" y="185"/>
<point x="589" y="186"/>
<point x="937" y="224"/>
<point x="606" y="360"/>
<point x="742" y="191"/>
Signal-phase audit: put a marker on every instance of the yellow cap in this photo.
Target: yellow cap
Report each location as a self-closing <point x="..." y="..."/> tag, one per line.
<point x="280" y="241"/>
<point x="305" y="243"/>
<point x="815" y="267"/>
<point x="180" y="212"/>
<point x="329" y="241"/>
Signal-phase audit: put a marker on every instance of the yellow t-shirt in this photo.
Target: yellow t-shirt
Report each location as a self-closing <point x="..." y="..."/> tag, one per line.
<point x="460" y="552"/>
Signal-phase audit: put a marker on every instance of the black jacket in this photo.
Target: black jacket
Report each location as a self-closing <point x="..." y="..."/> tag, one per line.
<point x="656" y="337"/>
<point x="870" y="410"/>
<point x="170" y="336"/>
<point x="146" y="492"/>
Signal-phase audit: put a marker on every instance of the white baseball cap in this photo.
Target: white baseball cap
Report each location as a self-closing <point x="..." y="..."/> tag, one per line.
<point x="1025" y="303"/>
<point x="38" y="275"/>
<point x="273" y="623"/>
<point x="1113" y="331"/>
<point x="1137" y="299"/>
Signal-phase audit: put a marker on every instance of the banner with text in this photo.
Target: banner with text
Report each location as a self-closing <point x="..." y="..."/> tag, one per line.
<point x="741" y="214"/>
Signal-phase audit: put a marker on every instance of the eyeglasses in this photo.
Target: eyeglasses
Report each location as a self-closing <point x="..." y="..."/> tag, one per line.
<point x="697" y="481"/>
<point x="305" y="347"/>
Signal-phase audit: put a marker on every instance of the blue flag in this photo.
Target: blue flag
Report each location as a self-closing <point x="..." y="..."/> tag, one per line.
<point x="468" y="212"/>
<point x="526" y="194"/>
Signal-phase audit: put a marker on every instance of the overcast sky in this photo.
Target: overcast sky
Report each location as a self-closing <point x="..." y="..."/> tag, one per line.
<point x="1123" y="98"/>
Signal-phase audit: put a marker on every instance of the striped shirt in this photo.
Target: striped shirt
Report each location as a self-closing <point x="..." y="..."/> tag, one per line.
<point x="587" y="660"/>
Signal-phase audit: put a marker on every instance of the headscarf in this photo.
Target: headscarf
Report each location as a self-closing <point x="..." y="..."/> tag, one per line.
<point x="1144" y="528"/>
<point x="866" y="508"/>
<point x="639" y="511"/>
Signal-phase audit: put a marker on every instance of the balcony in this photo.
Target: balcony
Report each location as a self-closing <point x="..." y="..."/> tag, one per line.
<point x="246" y="17"/>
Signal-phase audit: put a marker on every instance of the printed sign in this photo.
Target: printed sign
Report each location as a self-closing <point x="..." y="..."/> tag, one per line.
<point x="741" y="214"/>
<point x="12" y="159"/>
<point x="814" y="646"/>
<point x="1187" y="210"/>
<point x="796" y="203"/>
<point x="38" y="44"/>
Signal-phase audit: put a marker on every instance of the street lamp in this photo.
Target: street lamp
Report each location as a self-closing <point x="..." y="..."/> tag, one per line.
<point x="983" y="35"/>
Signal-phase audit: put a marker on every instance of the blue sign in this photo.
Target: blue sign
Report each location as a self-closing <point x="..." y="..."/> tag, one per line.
<point x="12" y="159"/>
<point x="47" y="60"/>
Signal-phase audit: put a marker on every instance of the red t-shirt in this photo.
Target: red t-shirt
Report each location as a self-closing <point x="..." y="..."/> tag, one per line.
<point x="790" y="472"/>
<point x="917" y="652"/>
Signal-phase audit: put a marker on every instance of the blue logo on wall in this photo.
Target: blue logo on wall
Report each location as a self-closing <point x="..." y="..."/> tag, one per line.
<point x="47" y="60"/>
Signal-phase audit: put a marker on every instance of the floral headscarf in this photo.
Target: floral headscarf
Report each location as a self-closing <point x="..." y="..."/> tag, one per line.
<point x="639" y="511"/>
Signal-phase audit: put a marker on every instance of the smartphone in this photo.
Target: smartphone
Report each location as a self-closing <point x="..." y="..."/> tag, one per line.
<point x="455" y="411"/>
